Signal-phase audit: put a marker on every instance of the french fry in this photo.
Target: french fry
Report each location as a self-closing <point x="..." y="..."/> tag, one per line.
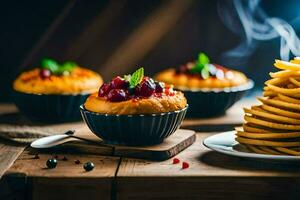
<point x="274" y="126"/>
<point x="266" y="142"/>
<point x="281" y="112"/>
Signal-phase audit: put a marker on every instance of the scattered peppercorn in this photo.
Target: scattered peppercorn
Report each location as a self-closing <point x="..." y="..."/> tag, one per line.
<point x="51" y="163"/>
<point x="36" y="156"/>
<point x="185" y="165"/>
<point x="77" y="162"/>
<point x="89" y="166"/>
<point x="176" y="161"/>
<point x="65" y="158"/>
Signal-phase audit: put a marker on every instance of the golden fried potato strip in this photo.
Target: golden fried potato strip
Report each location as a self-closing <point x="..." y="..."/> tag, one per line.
<point x="268" y="135"/>
<point x="280" y="64"/>
<point x="273" y="125"/>
<point x="243" y="140"/>
<point x="281" y="112"/>
<point x="280" y="104"/>
<point x="288" y="151"/>
<point x="283" y="90"/>
<point x="262" y="113"/>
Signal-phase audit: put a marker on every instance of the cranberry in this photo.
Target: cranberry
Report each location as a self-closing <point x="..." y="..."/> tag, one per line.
<point x="77" y="162"/>
<point x="224" y="69"/>
<point x="176" y="161"/>
<point x="146" y="87"/>
<point x="182" y="69"/>
<point x="104" y="90"/>
<point x="45" y="73"/>
<point x="185" y="165"/>
<point x="159" y="87"/>
<point x="116" y="95"/>
<point x="118" y="83"/>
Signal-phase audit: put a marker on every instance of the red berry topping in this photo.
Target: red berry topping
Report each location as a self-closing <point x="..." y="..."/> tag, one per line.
<point x="45" y="73"/>
<point x="169" y="92"/>
<point x="116" y="95"/>
<point x="224" y="69"/>
<point x="77" y="162"/>
<point x="118" y="83"/>
<point x="159" y="87"/>
<point x="176" y="161"/>
<point x="146" y="87"/>
<point x="185" y="165"/>
<point x="104" y="90"/>
<point x="182" y="69"/>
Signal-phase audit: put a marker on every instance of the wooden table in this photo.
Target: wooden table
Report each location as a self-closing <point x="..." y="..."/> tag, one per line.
<point x="210" y="176"/>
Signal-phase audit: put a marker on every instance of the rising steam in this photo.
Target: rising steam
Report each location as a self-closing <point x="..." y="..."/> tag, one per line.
<point x="257" y="26"/>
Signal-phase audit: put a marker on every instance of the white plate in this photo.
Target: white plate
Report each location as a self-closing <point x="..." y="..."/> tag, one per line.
<point x="225" y="143"/>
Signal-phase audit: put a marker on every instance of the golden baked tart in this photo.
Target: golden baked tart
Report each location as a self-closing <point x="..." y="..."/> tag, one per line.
<point x="134" y="110"/>
<point x="53" y="78"/>
<point x="210" y="88"/>
<point x="53" y="92"/>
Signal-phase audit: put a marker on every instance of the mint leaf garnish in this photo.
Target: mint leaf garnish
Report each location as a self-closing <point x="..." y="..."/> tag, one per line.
<point x="205" y="72"/>
<point x="58" y="69"/>
<point x="127" y="78"/>
<point x="202" y="66"/>
<point x="49" y="64"/>
<point x="66" y="68"/>
<point x="203" y="59"/>
<point x="136" y="77"/>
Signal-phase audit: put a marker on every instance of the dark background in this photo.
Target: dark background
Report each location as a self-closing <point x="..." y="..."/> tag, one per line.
<point x="117" y="36"/>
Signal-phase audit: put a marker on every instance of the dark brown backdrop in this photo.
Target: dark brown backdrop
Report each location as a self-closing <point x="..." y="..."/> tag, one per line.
<point x="116" y="36"/>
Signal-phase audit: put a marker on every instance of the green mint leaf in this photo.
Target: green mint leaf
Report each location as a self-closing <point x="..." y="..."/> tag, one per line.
<point x="127" y="77"/>
<point x="56" y="68"/>
<point x="202" y="66"/>
<point x="203" y="59"/>
<point x="196" y="69"/>
<point x="69" y="65"/>
<point x="66" y="67"/>
<point x="49" y="64"/>
<point x="205" y="72"/>
<point x="136" y="77"/>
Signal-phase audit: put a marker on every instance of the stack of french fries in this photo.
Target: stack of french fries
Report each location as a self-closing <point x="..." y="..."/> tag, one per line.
<point x="274" y="126"/>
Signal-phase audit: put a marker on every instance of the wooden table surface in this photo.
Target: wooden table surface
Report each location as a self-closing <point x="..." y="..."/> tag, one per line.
<point x="210" y="176"/>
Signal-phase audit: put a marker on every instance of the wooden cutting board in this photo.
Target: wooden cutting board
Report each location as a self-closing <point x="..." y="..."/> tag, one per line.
<point x="171" y="146"/>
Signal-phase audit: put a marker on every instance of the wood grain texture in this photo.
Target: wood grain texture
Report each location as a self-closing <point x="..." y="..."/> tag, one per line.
<point x="67" y="179"/>
<point x="173" y="145"/>
<point x="210" y="176"/>
<point x="9" y="152"/>
<point x="91" y="144"/>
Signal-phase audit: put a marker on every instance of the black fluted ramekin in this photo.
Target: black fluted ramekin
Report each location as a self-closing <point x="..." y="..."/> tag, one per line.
<point x="214" y="102"/>
<point x="133" y="130"/>
<point x="50" y="108"/>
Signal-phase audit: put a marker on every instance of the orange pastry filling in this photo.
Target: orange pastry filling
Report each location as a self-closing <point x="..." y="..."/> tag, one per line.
<point x="80" y="80"/>
<point x="202" y="74"/>
<point x="135" y="94"/>
<point x="150" y="105"/>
